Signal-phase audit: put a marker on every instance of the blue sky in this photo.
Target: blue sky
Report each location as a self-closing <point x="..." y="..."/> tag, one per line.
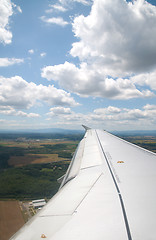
<point x="70" y="62"/>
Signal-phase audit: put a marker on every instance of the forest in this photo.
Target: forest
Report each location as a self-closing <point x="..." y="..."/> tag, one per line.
<point x="31" y="181"/>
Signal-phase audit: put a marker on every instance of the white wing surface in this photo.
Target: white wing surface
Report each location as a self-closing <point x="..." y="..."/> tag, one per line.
<point x="108" y="193"/>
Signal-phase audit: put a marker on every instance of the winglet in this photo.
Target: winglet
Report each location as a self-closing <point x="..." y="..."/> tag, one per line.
<point x="85" y="127"/>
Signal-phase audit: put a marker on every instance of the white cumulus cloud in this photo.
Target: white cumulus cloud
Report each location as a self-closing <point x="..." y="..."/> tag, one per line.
<point x="116" y="47"/>
<point x="8" y="110"/>
<point x="55" y="111"/>
<point x="145" y="79"/>
<point x="108" y="110"/>
<point x="147" y="113"/>
<point x="29" y="115"/>
<point x="4" y="62"/>
<point x="19" y="94"/>
<point x="86" y="81"/>
<point x="110" y="117"/>
<point x="118" y="35"/>
<point x="6" y="11"/>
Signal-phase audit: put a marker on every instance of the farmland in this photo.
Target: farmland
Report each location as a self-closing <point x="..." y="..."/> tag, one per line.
<point x="11" y="218"/>
<point x="30" y="152"/>
<point x="30" y="169"/>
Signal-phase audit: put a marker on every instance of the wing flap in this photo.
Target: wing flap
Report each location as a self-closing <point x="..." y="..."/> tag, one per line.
<point x="60" y="208"/>
<point x="41" y="226"/>
<point x="91" y="154"/>
<point x="99" y="216"/>
<point x="71" y="195"/>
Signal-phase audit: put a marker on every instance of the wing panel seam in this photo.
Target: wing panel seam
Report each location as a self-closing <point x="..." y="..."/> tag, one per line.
<point x="118" y="191"/>
<point x="88" y="192"/>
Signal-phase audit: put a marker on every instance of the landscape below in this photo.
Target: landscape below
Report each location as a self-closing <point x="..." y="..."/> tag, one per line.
<point x="31" y="163"/>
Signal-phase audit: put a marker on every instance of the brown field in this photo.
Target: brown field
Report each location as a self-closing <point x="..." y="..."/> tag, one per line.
<point x="32" y="143"/>
<point x="33" y="159"/>
<point x="10" y="218"/>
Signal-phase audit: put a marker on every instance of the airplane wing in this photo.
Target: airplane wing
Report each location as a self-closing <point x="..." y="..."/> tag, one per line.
<point x="108" y="193"/>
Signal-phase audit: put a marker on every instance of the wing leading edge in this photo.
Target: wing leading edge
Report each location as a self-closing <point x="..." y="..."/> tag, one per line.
<point x="108" y="193"/>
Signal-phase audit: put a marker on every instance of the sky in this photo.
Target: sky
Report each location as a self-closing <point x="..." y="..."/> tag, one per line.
<point x="66" y="63"/>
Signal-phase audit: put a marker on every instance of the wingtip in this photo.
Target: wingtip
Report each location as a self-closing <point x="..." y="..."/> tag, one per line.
<point x="85" y="127"/>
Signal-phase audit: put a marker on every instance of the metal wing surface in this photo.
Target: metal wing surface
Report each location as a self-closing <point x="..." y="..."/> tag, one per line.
<point x="108" y="193"/>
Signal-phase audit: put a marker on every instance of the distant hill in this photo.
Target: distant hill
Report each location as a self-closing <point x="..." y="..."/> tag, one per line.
<point x="135" y="133"/>
<point x="46" y="130"/>
<point x="69" y="131"/>
<point x="50" y="133"/>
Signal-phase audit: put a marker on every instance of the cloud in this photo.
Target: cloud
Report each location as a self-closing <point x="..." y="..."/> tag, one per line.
<point x="109" y="118"/>
<point x="69" y="2"/>
<point x="55" y="111"/>
<point x="149" y="107"/>
<point x="148" y="113"/>
<point x="2" y="121"/>
<point x="19" y="9"/>
<point x="19" y="94"/>
<point x="31" y="51"/>
<point x="65" y="5"/>
<point x="84" y="2"/>
<point x="6" y="11"/>
<point x="68" y="118"/>
<point x="125" y="33"/>
<point x="29" y="115"/>
<point x="116" y="47"/>
<point x="108" y="110"/>
<point x="145" y="79"/>
<point x="5" y="62"/>
<point x="43" y="54"/>
<point x="56" y="7"/>
<point x="8" y="110"/>
<point x="92" y="82"/>
<point x="54" y="20"/>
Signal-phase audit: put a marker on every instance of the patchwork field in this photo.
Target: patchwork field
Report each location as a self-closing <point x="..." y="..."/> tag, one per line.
<point x="19" y="161"/>
<point x="19" y="154"/>
<point x="11" y="218"/>
<point x="30" y="169"/>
